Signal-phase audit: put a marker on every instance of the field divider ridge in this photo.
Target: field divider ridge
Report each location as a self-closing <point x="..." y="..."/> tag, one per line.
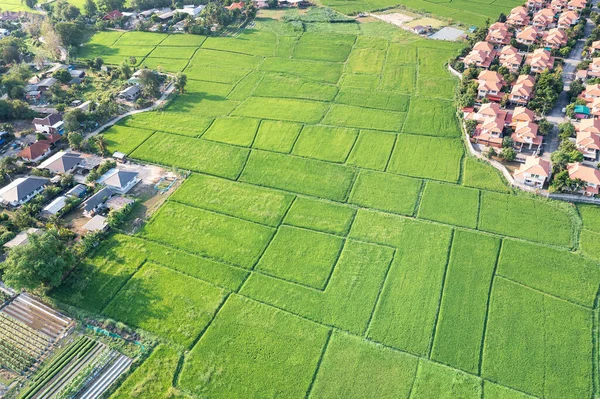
<point x="318" y="367"/>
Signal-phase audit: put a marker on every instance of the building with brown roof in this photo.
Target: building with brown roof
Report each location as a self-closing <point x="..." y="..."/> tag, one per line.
<point x="526" y="134"/>
<point x="534" y="5"/>
<point x="591" y="92"/>
<point x="522" y="90"/>
<point x="499" y="34"/>
<point x="577" y="5"/>
<point x="490" y="85"/>
<point x="534" y="172"/>
<point x="522" y="114"/>
<point x="567" y="19"/>
<point x="518" y="17"/>
<point x="543" y="19"/>
<point x="540" y="60"/>
<point x="591" y="176"/>
<point x="481" y="56"/>
<point x="588" y="143"/>
<point x="36" y="151"/>
<point x="555" y="38"/>
<point x="528" y="36"/>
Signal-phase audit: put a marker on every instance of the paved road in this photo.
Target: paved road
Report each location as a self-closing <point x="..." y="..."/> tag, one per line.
<point x="556" y="116"/>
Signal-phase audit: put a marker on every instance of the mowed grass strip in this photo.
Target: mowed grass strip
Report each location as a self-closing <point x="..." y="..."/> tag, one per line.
<point x="328" y="217"/>
<point x="278" y="136"/>
<point x="124" y="138"/>
<point x="256" y="204"/>
<point x="364" y="118"/>
<point x="193" y="154"/>
<point x="525" y="343"/>
<point x="207" y="233"/>
<point x="237" y="131"/>
<point x="407" y="309"/>
<point x="450" y="204"/>
<point x="263" y="344"/>
<point x="164" y="301"/>
<point x="348" y="365"/>
<point x="383" y="191"/>
<point x="325" y="143"/>
<point x="372" y="150"/>
<point x="302" y="256"/>
<point x="431" y="117"/>
<point x="282" y="109"/>
<point x="430" y="157"/>
<point x="301" y="175"/>
<point x="348" y="299"/>
<point x="536" y="220"/>
<point x="556" y="272"/>
<point x="462" y="317"/>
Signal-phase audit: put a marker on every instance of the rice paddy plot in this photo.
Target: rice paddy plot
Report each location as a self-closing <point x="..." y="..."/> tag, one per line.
<point x="173" y="121"/>
<point x="372" y="150"/>
<point x="526" y="349"/>
<point x="173" y="52"/>
<point x="245" y="201"/>
<point x="273" y="85"/>
<point x="401" y="54"/>
<point x="237" y="131"/>
<point x="99" y="43"/>
<point x="400" y="79"/>
<point x="244" y="44"/>
<point x="436" y="381"/>
<point x="303" y="256"/>
<point x="589" y="243"/>
<point x="263" y="345"/>
<point x="319" y="47"/>
<point x="479" y="174"/>
<point x="301" y="175"/>
<point x="431" y="117"/>
<point x="430" y="157"/>
<point x="193" y="154"/>
<point x="460" y="204"/>
<point x="244" y="88"/>
<point x="215" y="74"/>
<point x="278" y="136"/>
<point x="328" y="217"/>
<point x="165" y="64"/>
<point x="140" y="39"/>
<point x="590" y="214"/>
<point x="319" y="71"/>
<point x="364" y="118"/>
<point x="282" y="109"/>
<point x="124" y="138"/>
<point x="442" y="89"/>
<point x="397" y="194"/>
<point x="325" y="143"/>
<point x="163" y="301"/>
<point x="355" y="81"/>
<point x="208" y="89"/>
<point x="209" y="234"/>
<point x="205" y="57"/>
<point x="374" y="99"/>
<point x="366" y="60"/>
<point x="183" y="41"/>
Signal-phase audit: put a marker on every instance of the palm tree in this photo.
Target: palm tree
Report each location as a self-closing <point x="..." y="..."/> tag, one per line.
<point x="101" y="144"/>
<point x="180" y="82"/>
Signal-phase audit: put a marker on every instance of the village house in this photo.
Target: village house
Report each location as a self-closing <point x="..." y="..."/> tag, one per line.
<point x="567" y="19"/>
<point x="488" y="110"/>
<point x="594" y="48"/>
<point x="113" y="15"/>
<point x="492" y="121"/>
<point x="36" y="151"/>
<point x="577" y="5"/>
<point x="588" y="143"/>
<point x="510" y="58"/>
<point x="46" y="84"/>
<point x="595" y="107"/>
<point x="20" y="191"/>
<point x="481" y="55"/>
<point x="119" y="181"/>
<point x="499" y="34"/>
<point x="55" y="206"/>
<point x="534" y="5"/>
<point x="96" y="224"/>
<point x="558" y="5"/>
<point x="62" y="162"/>
<point x="96" y="202"/>
<point x="522" y="91"/>
<point x="543" y="19"/>
<point x="22" y="238"/>
<point x="594" y="68"/>
<point x="534" y="172"/>
<point x="526" y="134"/>
<point x="521" y="114"/>
<point x="588" y="125"/>
<point x="591" y="176"/>
<point x="540" y="60"/>
<point x="555" y="38"/>
<point x="518" y="17"/>
<point x="591" y="92"/>
<point x="528" y="36"/>
<point x="53" y="123"/>
<point x="490" y="85"/>
<point x="131" y="93"/>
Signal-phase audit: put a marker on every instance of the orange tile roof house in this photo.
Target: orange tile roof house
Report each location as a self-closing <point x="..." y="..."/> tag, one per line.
<point x="576" y="5"/>
<point x="490" y="110"/>
<point x="589" y="125"/>
<point x="518" y="17"/>
<point x="522" y="91"/>
<point x="567" y="19"/>
<point x="490" y="85"/>
<point x="510" y="58"/>
<point x="588" y="143"/>
<point x="492" y="120"/>
<point x="558" y="5"/>
<point x="481" y="56"/>
<point x="534" y="172"/>
<point x="595" y="107"/>
<point x="528" y="36"/>
<point x="535" y="4"/>
<point x="555" y="38"/>
<point x="522" y="114"/>
<point x="594" y="47"/>
<point x="540" y="60"/>
<point x="498" y="33"/>
<point x="544" y="18"/>
<point x="36" y="151"/>
<point x="594" y="67"/>
<point x="591" y="92"/>
<point x="589" y="175"/>
<point x="526" y="133"/>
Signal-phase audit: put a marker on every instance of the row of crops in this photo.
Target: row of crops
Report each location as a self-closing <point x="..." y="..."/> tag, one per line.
<point x="20" y="345"/>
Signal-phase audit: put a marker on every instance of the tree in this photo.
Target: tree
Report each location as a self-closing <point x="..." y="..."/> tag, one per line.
<point x="52" y="41"/>
<point x="40" y="264"/>
<point x="110" y="5"/>
<point x="272" y="3"/>
<point x="566" y="130"/>
<point x="30" y="3"/>
<point x="508" y="154"/>
<point x="90" y="8"/>
<point x="73" y="120"/>
<point x="70" y="33"/>
<point x="545" y="127"/>
<point x="566" y="154"/>
<point x="100" y="143"/>
<point x="75" y="140"/>
<point x="98" y="62"/>
<point x="150" y="83"/>
<point x="62" y="75"/>
<point x="125" y="70"/>
<point x="180" y="82"/>
<point x="471" y="125"/>
<point x="63" y="11"/>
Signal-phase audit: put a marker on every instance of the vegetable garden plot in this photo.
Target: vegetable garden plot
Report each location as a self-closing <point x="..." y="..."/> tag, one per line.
<point x="526" y="349"/>
<point x="164" y="302"/>
<point x="556" y="272"/>
<point x="431" y="117"/>
<point x="124" y="138"/>
<point x="479" y="174"/>
<point x="193" y="154"/>
<point x="366" y="60"/>
<point x="207" y="233"/>
<point x="364" y="118"/>
<point x="408" y="306"/>
<point x="173" y="121"/>
<point x="372" y="150"/>
<point x="348" y="365"/>
<point x="278" y="136"/>
<point x="536" y="220"/>
<point x="373" y="99"/>
<point x="325" y="143"/>
<point x="460" y="204"/>
<point x="302" y="256"/>
<point x="282" y="109"/>
<point x="263" y="345"/>
<point x="301" y="175"/>
<point x="430" y="157"/>
<point x="328" y="217"/>
<point x="435" y="381"/>
<point x="20" y="345"/>
<point x="273" y="85"/>
<point x="397" y="194"/>
<point x="237" y="131"/>
<point x="253" y="203"/>
<point x="462" y="316"/>
<point x="348" y="300"/>
<point x="328" y="72"/>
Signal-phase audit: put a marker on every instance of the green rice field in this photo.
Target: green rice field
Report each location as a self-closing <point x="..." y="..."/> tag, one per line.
<point x="334" y="239"/>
